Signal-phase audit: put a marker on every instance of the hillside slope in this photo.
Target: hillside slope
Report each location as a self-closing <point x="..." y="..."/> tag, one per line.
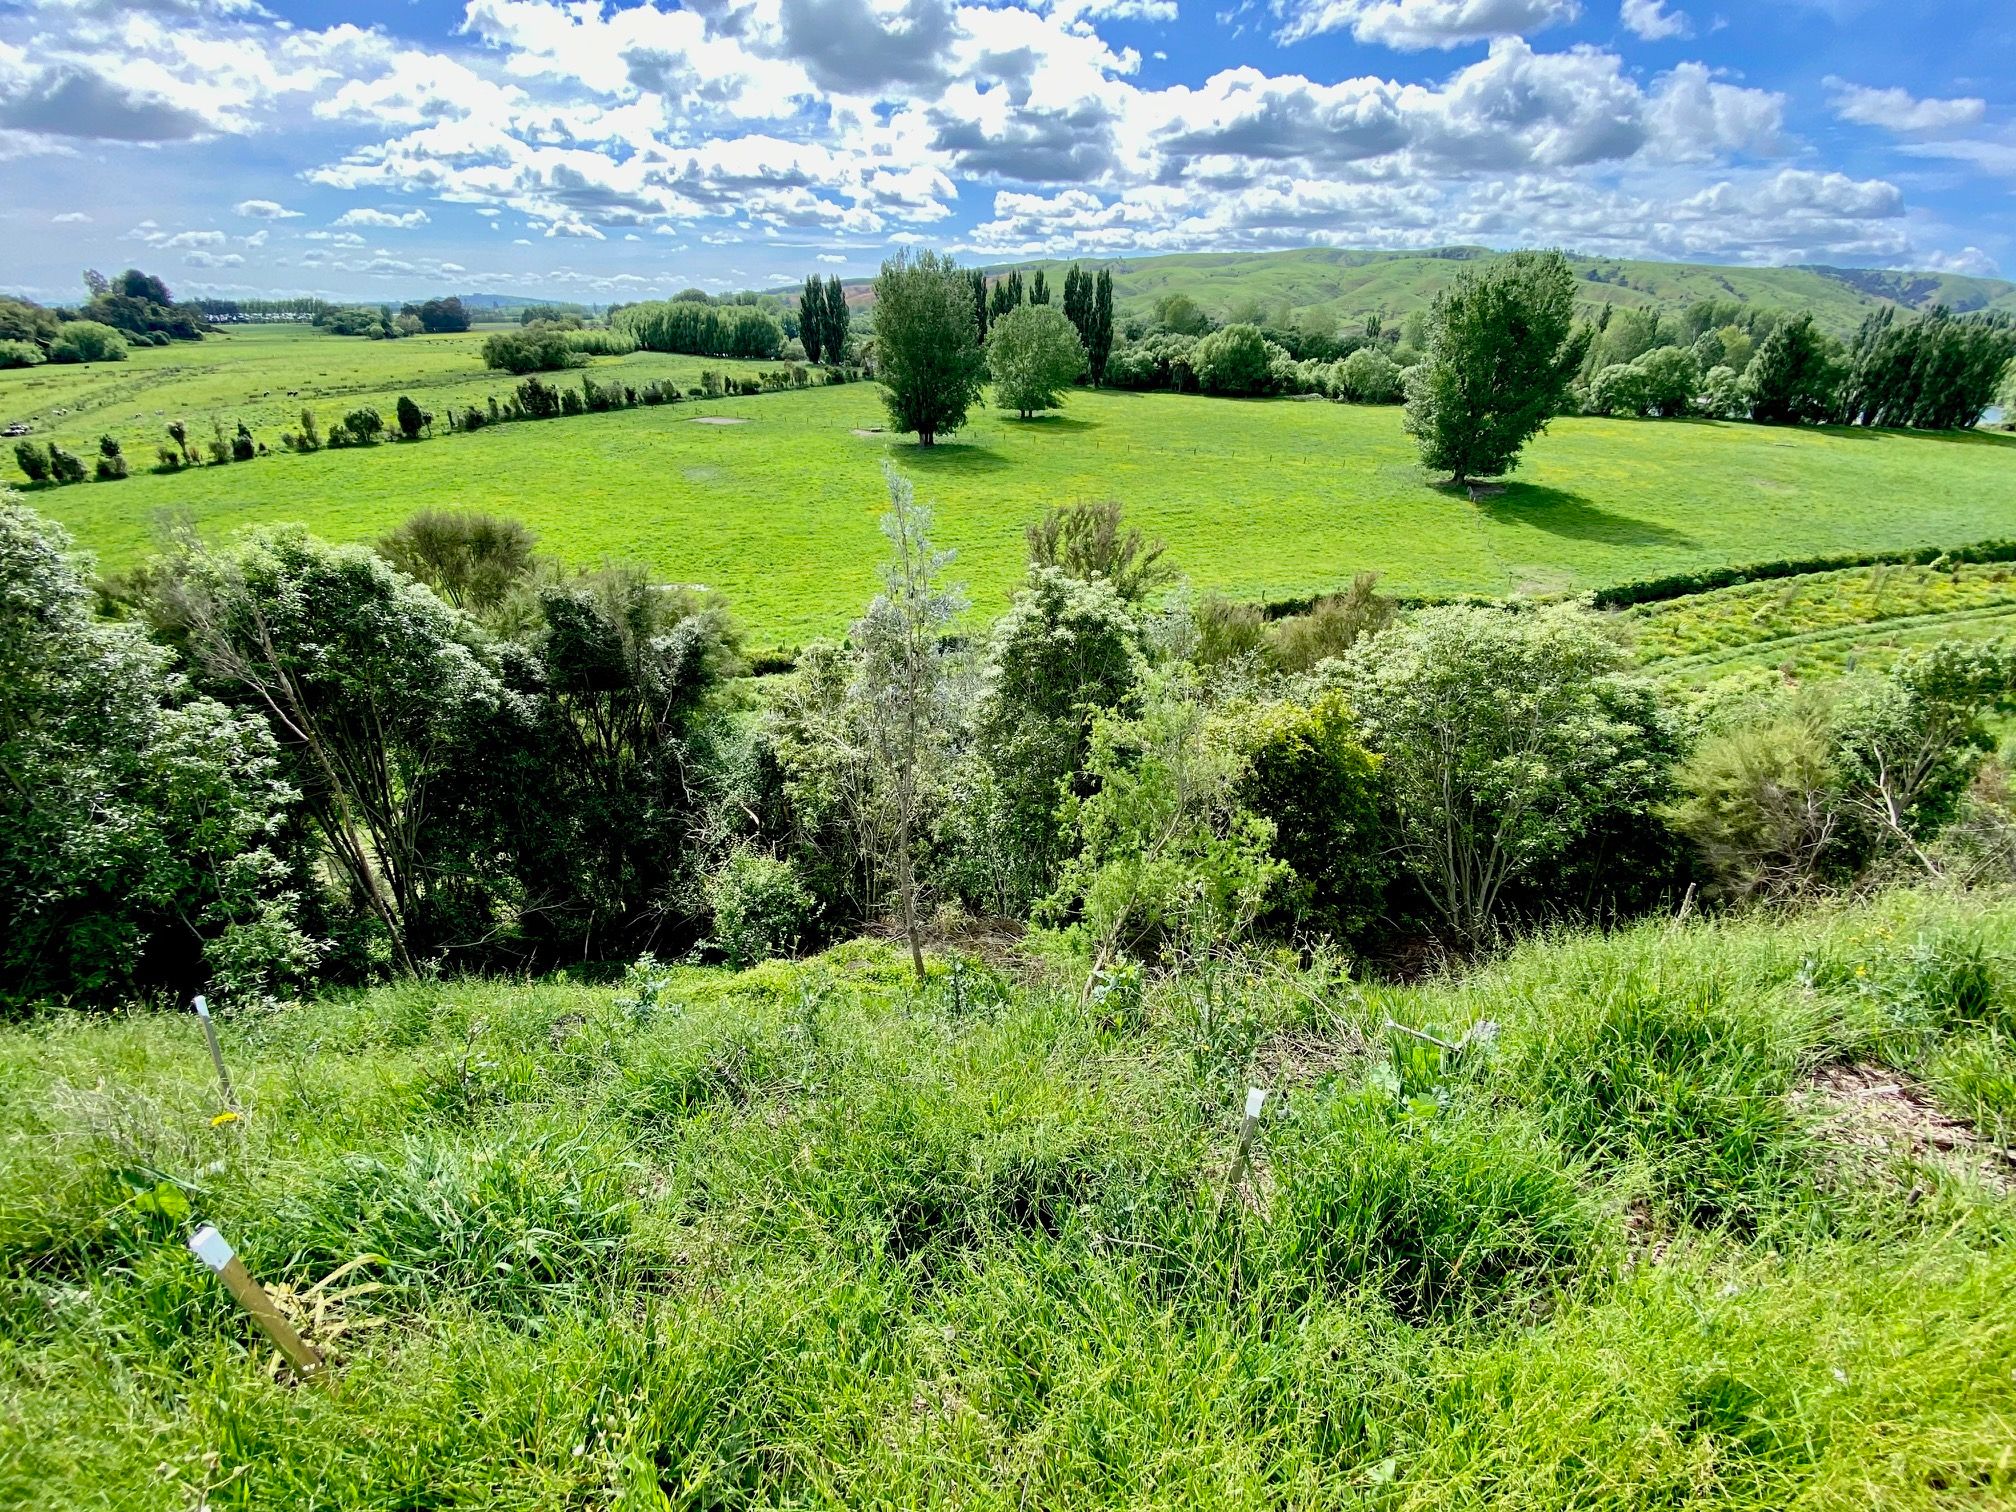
<point x="1715" y="1218"/>
<point x="1349" y="284"/>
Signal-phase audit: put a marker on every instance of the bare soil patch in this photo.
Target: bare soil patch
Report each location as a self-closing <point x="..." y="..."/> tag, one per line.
<point x="719" y="420"/>
<point x="1869" y="1113"/>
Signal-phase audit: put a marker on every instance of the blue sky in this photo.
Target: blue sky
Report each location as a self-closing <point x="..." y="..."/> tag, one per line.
<point x="598" y="152"/>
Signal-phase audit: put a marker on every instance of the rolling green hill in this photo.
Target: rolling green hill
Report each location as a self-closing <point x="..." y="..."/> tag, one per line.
<point x="1347" y="285"/>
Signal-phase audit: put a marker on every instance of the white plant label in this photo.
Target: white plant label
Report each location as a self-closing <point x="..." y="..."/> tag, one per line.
<point x="202" y="1008"/>
<point x="211" y="1247"/>
<point x="1256" y="1098"/>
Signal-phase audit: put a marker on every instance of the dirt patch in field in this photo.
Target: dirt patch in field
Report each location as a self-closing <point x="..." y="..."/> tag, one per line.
<point x="719" y="420"/>
<point x="868" y="430"/>
<point x="1869" y="1113"/>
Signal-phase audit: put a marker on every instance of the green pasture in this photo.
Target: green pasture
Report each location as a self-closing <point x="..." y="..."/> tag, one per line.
<point x="266" y="375"/>
<point x="1256" y="499"/>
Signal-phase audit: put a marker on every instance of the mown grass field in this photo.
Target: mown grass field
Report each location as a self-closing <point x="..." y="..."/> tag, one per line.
<point x="248" y="373"/>
<point x="1258" y="500"/>
<point x="1713" y="1221"/>
<point x="1818" y="623"/>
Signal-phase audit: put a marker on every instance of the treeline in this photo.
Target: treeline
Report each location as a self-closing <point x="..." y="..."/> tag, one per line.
<point x="702" y="329"/>
<point x="290" y="762"/>
<point x="1938" y="372"/>
<point x="1087" y="302"/>
<point x="134" y="309"/>
<point x="432" y="316"/>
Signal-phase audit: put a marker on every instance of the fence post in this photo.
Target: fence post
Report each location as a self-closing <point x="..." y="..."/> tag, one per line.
<point x="213" y="1250"/>
<point x="1256" y="1098"/>
<point x="216" y="1053"/>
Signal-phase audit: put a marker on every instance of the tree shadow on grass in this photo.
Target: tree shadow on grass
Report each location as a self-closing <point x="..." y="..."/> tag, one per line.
<point x="1561" y="513"/>
<point x="950" y="458"/>
<point x="1050" y="421"/>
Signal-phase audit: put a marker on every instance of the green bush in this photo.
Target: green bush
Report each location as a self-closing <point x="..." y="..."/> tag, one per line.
<point x="1235" y="360"/>
<point x="1367" y="376"/>
<point x="87" y="341"/>
<point x="20" y="354"/>
<point x="65" y="467"/>
<point x="33" y="459"/>
<point x="111" y="464"/>
<point x="1310" y="777"/>
<point x="532" y="350"/>
<point x="761" y="908"/>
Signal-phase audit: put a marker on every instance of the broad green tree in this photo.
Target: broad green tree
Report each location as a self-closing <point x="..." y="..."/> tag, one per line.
<point x="1033" y="355"/>
<point x="1508" y="740"/>
<point x="1502" y="349"/>
<point x="926" y="358"/>
<point x="1235" y="360"/>
<point x="146" y="839"/>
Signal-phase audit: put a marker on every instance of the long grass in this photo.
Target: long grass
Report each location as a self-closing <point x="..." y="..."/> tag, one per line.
<point x="810" y="1235"/>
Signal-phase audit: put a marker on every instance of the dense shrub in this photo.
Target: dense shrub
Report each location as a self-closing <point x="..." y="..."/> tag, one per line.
<point x="1509" y="741"/>
<point x="761" y="909"/>
<point x="144" y="834"/>
<point x="1235" y="360"/>
<point x="1367" y="376"/>
<point x="87" y="341"/>
<point x="1065" y="650"/>
<point x="20" y="354"/>
<point x="111" y="464"/>
<point x="1310" y="777"/>
<point x="531" y="350"/>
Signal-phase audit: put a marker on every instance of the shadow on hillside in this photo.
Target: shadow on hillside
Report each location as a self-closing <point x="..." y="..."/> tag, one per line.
<point x="1561" y="513"/>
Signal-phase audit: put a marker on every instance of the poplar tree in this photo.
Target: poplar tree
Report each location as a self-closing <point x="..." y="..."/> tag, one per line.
<point x="838" y="319"/>
<point x="1099" y="345"/>
<point x="812" y="318"/>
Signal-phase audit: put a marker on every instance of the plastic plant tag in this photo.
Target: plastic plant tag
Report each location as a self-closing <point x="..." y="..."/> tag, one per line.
<point x="211" y="1247"/>
<point x="1256" y="1098"/>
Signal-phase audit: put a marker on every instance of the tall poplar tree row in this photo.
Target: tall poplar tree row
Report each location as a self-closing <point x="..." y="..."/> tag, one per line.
<point x="812" y="318"/>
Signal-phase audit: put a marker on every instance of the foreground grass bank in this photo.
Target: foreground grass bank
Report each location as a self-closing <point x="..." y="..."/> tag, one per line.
<point x="1712" y="1219"/>
<point x="1258" y="500"/>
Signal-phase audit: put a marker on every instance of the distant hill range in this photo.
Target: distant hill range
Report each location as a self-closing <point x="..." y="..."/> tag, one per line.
<point x="1346" y="285"/>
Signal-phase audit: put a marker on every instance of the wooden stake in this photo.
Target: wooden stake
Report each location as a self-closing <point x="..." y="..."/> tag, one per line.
<point x="1256" y="1098"/>
<point x="216" y="1054"/>
<point x="211" y="1248"/>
